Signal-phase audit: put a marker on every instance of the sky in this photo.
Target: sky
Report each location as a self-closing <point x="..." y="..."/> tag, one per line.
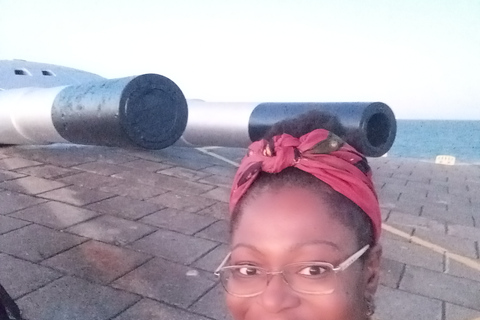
<point x="421" y="57"/>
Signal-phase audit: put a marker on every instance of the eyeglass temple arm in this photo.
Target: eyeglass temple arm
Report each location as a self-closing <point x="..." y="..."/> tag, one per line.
<point x="224" y="261"/>
<point x="345" y="264"/>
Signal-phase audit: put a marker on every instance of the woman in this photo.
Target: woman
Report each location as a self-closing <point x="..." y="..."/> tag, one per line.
<point x="305" y="224"/>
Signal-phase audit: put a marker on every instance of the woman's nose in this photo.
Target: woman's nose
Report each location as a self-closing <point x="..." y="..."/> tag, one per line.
<point x="278" y="295"/>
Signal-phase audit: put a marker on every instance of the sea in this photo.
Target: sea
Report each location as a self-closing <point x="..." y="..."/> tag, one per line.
<point x="425" y="139"/>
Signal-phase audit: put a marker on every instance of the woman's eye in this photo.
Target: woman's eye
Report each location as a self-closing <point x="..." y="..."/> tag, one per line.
<point x="312" y="271"/>
<point x="248" y="271"/>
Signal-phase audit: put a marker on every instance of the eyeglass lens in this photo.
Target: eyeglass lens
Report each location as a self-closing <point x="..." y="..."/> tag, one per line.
<point x="310" y="278"/>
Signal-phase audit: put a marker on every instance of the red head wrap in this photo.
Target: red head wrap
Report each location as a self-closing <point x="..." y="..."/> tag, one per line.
<point x="320" y="153"/>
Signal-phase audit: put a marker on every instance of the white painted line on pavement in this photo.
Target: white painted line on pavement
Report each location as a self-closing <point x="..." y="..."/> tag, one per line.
<point x="233" y="163"/>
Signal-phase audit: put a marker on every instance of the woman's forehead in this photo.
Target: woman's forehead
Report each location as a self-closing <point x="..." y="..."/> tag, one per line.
<point x="288" y="218"/>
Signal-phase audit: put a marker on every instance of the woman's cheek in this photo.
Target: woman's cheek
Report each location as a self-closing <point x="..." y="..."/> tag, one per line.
<point x="340" y="306"/>
<point x="238" y="306"/>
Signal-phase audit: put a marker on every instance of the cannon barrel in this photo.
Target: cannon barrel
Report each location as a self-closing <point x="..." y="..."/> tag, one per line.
<point x="147" y="111"/>
<point x="371" y="126"/>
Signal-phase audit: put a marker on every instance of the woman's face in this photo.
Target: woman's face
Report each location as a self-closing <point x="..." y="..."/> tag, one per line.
<point x="293" y="225"/>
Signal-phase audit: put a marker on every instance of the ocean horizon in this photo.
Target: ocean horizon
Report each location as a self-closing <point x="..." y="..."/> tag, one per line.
<point x="426" y="139"/>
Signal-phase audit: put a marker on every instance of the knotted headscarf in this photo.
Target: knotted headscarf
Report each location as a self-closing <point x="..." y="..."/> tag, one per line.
<point x="320" y="153"/>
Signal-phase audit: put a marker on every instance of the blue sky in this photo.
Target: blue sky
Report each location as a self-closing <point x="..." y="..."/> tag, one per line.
<point x="419" y="57"/>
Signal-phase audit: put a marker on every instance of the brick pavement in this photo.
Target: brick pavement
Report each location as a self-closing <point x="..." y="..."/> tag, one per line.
<point x="103" y="233"/>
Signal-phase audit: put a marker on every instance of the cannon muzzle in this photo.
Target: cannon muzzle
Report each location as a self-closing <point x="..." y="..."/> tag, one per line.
<point x="147" y="111"/>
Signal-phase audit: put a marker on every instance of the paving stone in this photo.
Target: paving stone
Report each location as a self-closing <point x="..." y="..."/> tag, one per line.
<point x="9" y="175"/>
<point x="399" y="305"/>
<point x="219" y="194"/>
<point x="13" y="201"/>
<point x="47" y="171"/>
<point x="139" y="177"/>
<point x="388" y="235"/>
<point x="165" y="281"/>
<point x="133" y="190"/>
<point x="20" y="277"/>
<point x="413" y="207"/>
<point x="100" y="167"/>
<point x="75" y="299"/>
<point x="411" y="254"/>
<point x="387" y="198"/>
<point x="385" y="213"/>
<point x="54" y="214"/>
<point x="66" y="158"/>
<point x="184" y="186"/>
<point x="217" y="180"/>
<point x="213" y="304"/>
<point x="147" y="309"/>
<point x="458" y="269"/>
<point x="151" y="166"/>
<point x="8" y="224"/>
<point x="457" y="245"/>
<point x="16" y="163"/>
<point x="464" y="232"/>
<point x="404" y="190"/>
<point x="163" y="181"/>
<point x="391" y="272"/>
<point x="31" y="185"/>
<point x="219" y="231"/>
<point x="182" y="201"/>
<point x="36" y="243"/>
<point x="184" y="173"/>
<point x="90" y="180"/>
<point x="445" y="198"/>
<point x="147" y="155"/>
<point x="385" y="180"/>
<point x="97" y="262"/>
<point x="235" y="154"/>
<point x="425" y="178"/>
<point x="126" y="208"/>
<point x="173" y="246"/>
<point x="112" y="230"/>
<point x="416" y="185"/>
<point x="449" y="217"/>
<point x="458" y="188"/>
<point x="172" y="219"/>
<point x="115" y="156"/>
<point x="378" y="184"/>
<point x="433" y="207"/>
<point x="454" y="312"/>
<point x="192" y="163"/>
<point x="463" y="292"/>
<point x="471" y="209"/>
<point x="185" y="153"/>
<point x="224" y="171"/>
<point x="188" y="153"/>
<point x="75" y="195"/>
<point x="219" y="211"/>
<point x="413" y="221"/>
<point x="212" y="260"/>
<point x="412" y="195"/>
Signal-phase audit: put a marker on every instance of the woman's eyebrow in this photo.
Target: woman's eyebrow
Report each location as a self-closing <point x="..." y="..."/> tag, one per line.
<point x="314" y="242"/>
<point x="292" y="247"/>
<point x="246" y="245"/>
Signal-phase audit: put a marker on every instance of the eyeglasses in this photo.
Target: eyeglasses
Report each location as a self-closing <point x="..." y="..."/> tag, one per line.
<point x="303" y="277"/>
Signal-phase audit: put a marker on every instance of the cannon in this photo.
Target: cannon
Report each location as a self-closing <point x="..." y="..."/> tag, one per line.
<point x="370" y="126"/>
<point x="147" y="111"/>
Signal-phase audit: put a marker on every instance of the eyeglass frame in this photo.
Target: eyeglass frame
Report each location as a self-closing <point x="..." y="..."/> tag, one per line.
<point x="340" y="267"/>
